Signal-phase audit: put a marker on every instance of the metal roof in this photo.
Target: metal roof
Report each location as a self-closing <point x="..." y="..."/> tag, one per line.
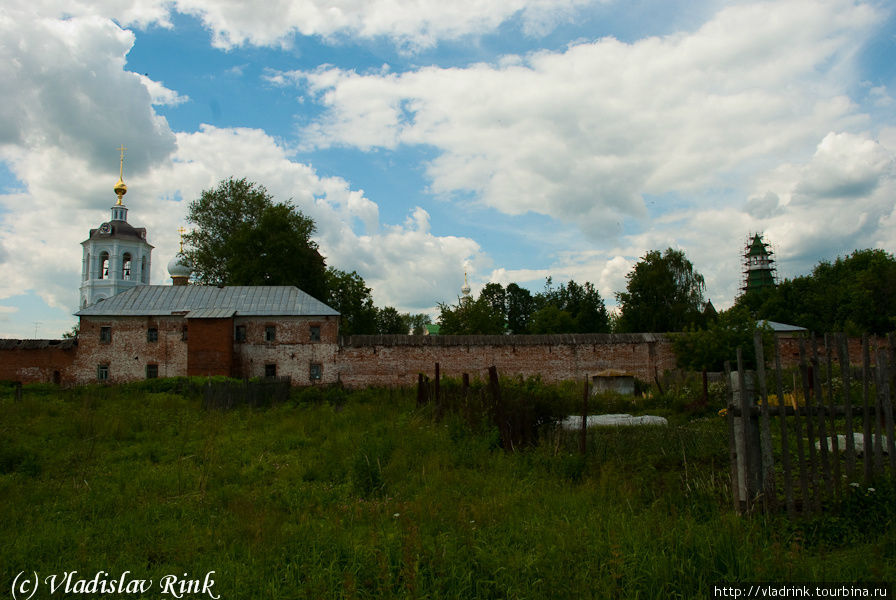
<point x="782" y="327"/>
<point x="200" y="301"/>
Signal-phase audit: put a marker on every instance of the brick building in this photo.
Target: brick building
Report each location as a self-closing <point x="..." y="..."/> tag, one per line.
<point x="166" y="331"/>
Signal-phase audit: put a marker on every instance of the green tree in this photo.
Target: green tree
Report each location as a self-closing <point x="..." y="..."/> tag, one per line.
<point x="663" y="293"/>
<point x="390" y="321"/>
<point x="417" y="323"/>
<point x="707" y="348"/>
<point x="520" y="305"/>
<point x="349" y="295"/>
<point x="243" y="237"/>
<point x="470" y="317"/>
<point x="551" y="319"/>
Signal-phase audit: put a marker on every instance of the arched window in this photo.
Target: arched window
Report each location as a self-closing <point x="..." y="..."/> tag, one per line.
<point x="126" y="266"/>
<point x="104" y="266"/>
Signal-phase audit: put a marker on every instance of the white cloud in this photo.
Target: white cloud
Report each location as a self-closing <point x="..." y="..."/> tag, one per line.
<point x="410" y="24"/>
<point x="582" y="134"/>
<point x="162" y="96"/>
<point x="67" y="88"/>
<point x="349" y="231"/>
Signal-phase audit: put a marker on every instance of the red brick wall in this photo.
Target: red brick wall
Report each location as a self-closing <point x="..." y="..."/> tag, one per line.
<point x="129" y="351"/>
<point x="292" y="351"/>
<point x="396" y="360"/>
<point x="789" y="348"/>
<point x="37" y="361"/>
<point x="209" y="347"/>
<point x="359" y="361"/>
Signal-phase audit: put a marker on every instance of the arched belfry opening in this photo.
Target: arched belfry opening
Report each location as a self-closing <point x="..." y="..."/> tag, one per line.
<point x="103" y="271"/>
<point x="126" y="266"/>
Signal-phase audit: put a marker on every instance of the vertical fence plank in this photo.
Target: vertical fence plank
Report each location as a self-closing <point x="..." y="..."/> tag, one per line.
<point x="846" y="376"/>
<point x="886" y="406"/>
<point x="822" y="428"/>
<point x="867" y="442"/>
<point x="583" y="439"/>
<point x="746" y="469"/>
<point x="785" y="446"/>
<point x="835" y="446"/>
<point x="810" y="428"/>
<point x="732" y="442"/>
<point x="878" y="414"/>
<point x="769" y="499"/>
<point x="421" y="390"/>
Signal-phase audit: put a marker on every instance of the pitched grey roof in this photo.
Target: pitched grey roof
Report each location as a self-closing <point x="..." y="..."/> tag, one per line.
<point x="201" y="301"/>
<point x="782" y="327"/>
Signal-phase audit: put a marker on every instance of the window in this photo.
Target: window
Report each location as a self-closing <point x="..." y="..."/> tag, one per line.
<point x="240" y="333"/>
<point x="315" y="371"/>
<point x="315" y="333"/>
<point x="105" y="335"/>
<point x="152" y="371"/>
<point x="126" y="266"/>
<point x="270" y="333"/>
<point x="102" y="372"/>
<point x="103" y="272"/>
<point x="152" y="334"/>
<point x="183" y="333"/>
<point x="270" y="370"/>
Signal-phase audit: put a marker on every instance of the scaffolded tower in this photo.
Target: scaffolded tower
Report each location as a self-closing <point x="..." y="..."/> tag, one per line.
<point x="759" y="265"/>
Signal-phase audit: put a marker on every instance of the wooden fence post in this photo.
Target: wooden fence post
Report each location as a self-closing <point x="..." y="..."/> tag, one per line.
<point x="746" y="435"/>
<point x="785" y="446"/>
<point x="846" y="376"/>
<point x="732" y="443"/>
<point x="810" y="427"/>
<point x="421" y="390"/>
<point x="583" y="441"/>
<point x="866" y="410"/>
<point x="837" y="480"/>
<point x="494" y="387"/>
<point x="886" y="406"/>
<point x="769" y="501"/>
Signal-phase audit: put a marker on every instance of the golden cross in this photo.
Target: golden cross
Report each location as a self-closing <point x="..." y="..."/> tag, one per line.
<point x="121" y="169"/>
<point x="181" y="231"/>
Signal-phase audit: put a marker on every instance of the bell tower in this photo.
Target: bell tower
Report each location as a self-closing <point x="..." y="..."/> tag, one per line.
<point x="759" y="265"/>
<point x="116" y="256"/>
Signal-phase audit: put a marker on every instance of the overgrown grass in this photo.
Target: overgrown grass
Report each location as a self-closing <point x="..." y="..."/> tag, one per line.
<point x="360" y="494"/>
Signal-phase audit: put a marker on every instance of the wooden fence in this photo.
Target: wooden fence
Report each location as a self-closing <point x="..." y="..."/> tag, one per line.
<point x="801" y="450"/>
<point x="224" y="395"/>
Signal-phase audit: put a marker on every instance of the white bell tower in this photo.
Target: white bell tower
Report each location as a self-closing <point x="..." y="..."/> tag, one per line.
<point x="116" y="256"/>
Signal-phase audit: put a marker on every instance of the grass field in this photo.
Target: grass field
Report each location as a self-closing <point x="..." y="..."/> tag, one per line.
<point x="362" y="494"/>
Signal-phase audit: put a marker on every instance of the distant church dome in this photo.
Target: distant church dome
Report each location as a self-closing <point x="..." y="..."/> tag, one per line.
<point x="180" y="269"/>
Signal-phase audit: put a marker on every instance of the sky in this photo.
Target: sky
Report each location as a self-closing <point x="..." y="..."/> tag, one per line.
<point x="510" y="140"/>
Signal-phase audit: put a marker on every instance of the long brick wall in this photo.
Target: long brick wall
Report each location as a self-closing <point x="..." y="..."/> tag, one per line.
<point x="357" y="361"/>
<point x="395" y="360"/>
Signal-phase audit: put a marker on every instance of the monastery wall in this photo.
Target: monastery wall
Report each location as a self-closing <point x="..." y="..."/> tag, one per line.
<point x="358" y="361"/>
<point x="37" y="361"/>
<point x="396" y="360"/>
